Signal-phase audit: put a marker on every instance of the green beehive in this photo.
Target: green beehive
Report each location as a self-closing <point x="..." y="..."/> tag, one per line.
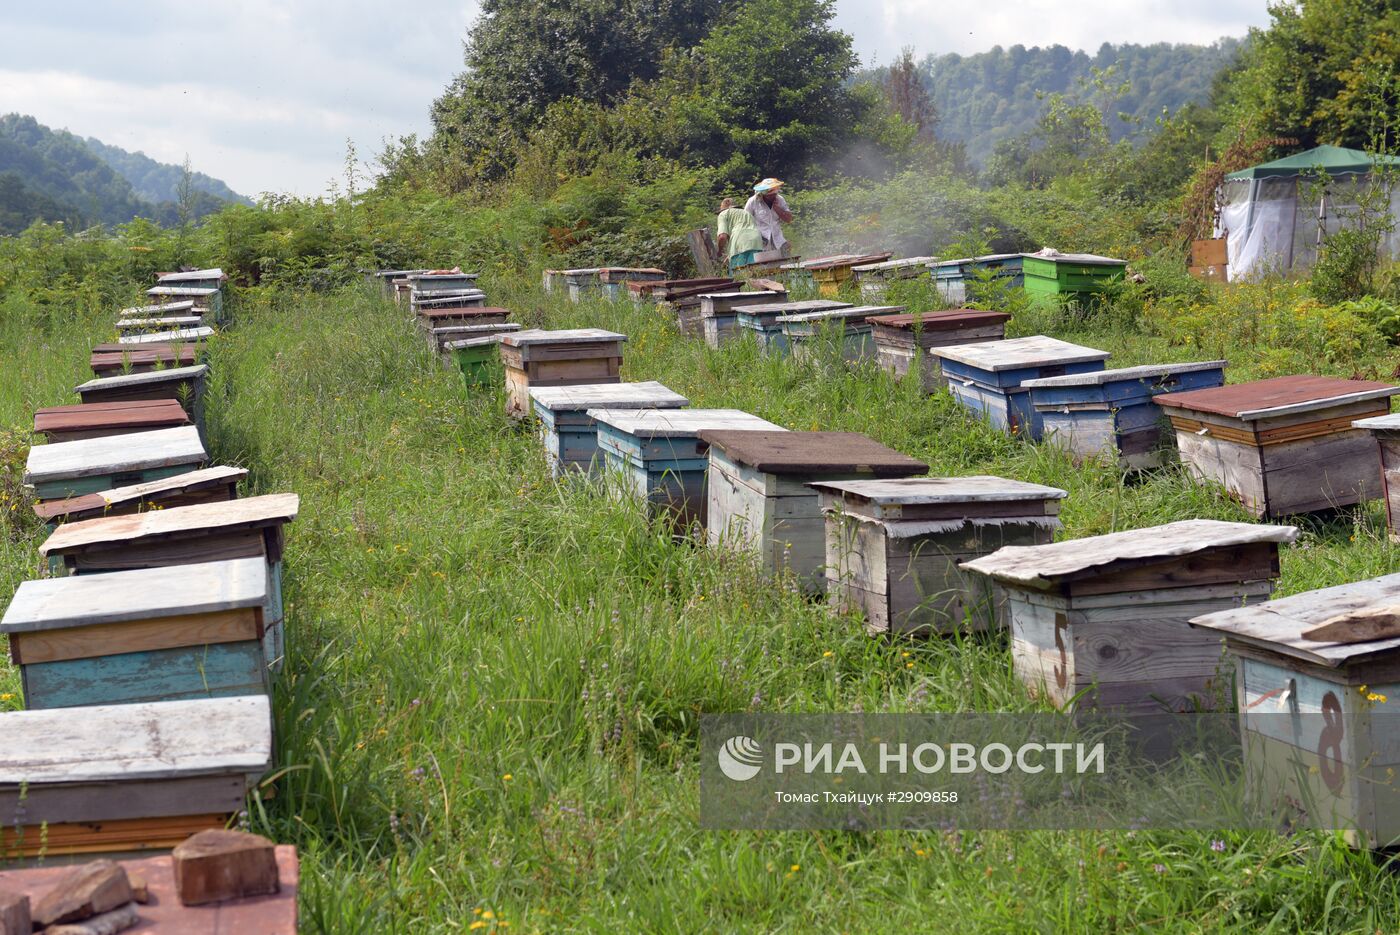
<point x="1069" y="274"/>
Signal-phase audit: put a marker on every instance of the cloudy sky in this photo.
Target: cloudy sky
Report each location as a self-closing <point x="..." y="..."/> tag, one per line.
<point x="265" y="94"/>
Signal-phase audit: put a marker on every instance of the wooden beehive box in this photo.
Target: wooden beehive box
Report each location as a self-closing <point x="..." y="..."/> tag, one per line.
<point x="152" y="634"/>
<point x="387" y="277"/>
<point x="893" y="547"/>
<point x="762" y="321"/>
<point x="1386" y="431"/>
<point x="719" y="315"/>
<point x="109" y="360"/>
<point x="419" y="302"/>
<point x="212" y="299"/>
<point x="66" y="469"/>
<point x="658" y="456"/>
<point x="97" y="420"/>
<point x="195" y="335"/>
<point x="194" y="278"/>
<point x="207" y="485"/>
<point x="1283" y="446"/>
<point x="952" y="277"/>
<point x="759" y="499"/>
<point x="442" y="337"/>
<point x="901" y="340"/>
<point x="552" y="280"/>
<point x="571" y="436"/>
<point x="850" y="327"/>
<point x="1104" y="619"/>
<point x="127" y="777"/>
<point x="874" y="278"/>
<point x="479" y="359"/>
<point x="831" y="273"/>
<point x="1315" y="704"/>
<point x="187" y="307"/>
<point x="430" y="319"/>
<point x="183" y="384"/>
<point x="613" y="280"/>
<point x="1069" y="274"/>
<point x="582" y="283"/>
<point x="251" y="527"/>
<point x="661" y="290"/>
<point x="574" y="357"/>
<point x="131" y="327"/>
<point x="1110" y="413"/>
<point x="442" y="281"/>
<point x="986" y="378"/>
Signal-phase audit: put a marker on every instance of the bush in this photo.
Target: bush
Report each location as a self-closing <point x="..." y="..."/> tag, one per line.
<point x="1346" y="265"/>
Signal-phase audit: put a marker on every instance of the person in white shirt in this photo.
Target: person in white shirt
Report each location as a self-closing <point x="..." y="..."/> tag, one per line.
<point x="770" y="212"/>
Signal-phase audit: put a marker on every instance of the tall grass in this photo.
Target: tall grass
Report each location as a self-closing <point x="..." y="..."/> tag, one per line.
<point x="490" y="708"/>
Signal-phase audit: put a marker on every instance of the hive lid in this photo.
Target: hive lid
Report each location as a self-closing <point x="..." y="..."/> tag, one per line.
<point x="568" y="336"/>
<point x="740" y="294"/>
<point x="467" y="331"/>
<point x="180" y="290"/>
<point x="160" y="337"/>
<point x="114" y="454"/>
<point x="586" y="271"/>
<point x="143" y="594"/>
<point x="858" y="312"/>
<point x="985" y="258"/>
<point x="1017" y="353"/>
<point x="643" y="395"/>
<point x="193" y="275"/>
<point x="844" y="259"/>
<point x="943" y="321"/>
<point x="480" y="340"/>
<point x="119" y="356"/>
<point x="397" y="273"/>
<point x="163" y="324"/>
<point x="431" y="315"/>
<point x="1389" y="423"/>
<point x="171" y="375"/>
<point x="1278" y="625"/>
<point x="812" y="453"/>
<point x="895" y="264"/>
<point x="268" y="510"/>
<point x="135" y="493"/>
<point x="164" y="308"/>
<point x="1148" y="372"/>
<point x="1279" y="396"/>
<point x="1079" y="259"/>
<point x="128" y="414"/>
<point x="131" y="743"/>
<point x="1041" y="566"/>
<point x="679" y="423"/>
<point x="975" y="488"/>
<point x="792" y="308"/>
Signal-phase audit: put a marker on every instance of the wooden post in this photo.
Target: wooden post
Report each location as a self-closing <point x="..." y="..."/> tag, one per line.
<point x="708" y="262"/>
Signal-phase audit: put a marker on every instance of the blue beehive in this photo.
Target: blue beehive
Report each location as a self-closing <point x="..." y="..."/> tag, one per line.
<point x="987" y="378"/>
<point x="1111" y="411"/>
<point x="952" y="276"/>
<point x="571" y="436"/>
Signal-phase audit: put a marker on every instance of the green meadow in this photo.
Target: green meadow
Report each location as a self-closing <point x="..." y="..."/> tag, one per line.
<point x="488" y="720"/>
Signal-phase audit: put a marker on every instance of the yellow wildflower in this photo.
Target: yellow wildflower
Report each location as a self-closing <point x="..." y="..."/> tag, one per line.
<point x="507" y="777"/>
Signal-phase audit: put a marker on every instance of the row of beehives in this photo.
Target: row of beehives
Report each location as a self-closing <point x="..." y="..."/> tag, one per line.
<point x="148" y="653"/>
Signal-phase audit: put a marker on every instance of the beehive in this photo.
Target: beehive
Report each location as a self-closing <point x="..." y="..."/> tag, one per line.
<point x="534" y="358"/>
<point x="420" y="302"/>
<point x="1110" y="413"/>
<point x="127" y="777"/>
<point x="658" y="455"/>
<point x="953" y="277"/>
<point x="97" y="420"/>
<point x="874" y="278"/>
<point x="1316" y="677"/>
<point x="552" y="280"/>
<point x="196" y="335"/>
<point x="571" y="436"/>
<point x="900" y="340"/>
<point x="1052" y="273"/>
<point x="152" y="634"/>
<point x="893" y="547"/>
<point x="660" y="290"/>
<point x="1386" y="431"/>
<point x="762" y="321"/>
<point x="479" y="359"/>
<point x="132" y="327"/>
<point x="113" y="359"/>
<point x="850" y="327"/>
<point x="831" y="273"/>
<point x="66" y="469"/>
<point x="187" y="307"/>
<point x="444" y="336"/>
<point x="430" y="319"/>
<point x="613" y="281"/>
<point x="426" y="284"/>
<point x="582" y="283"/>
<point x="183" y="384"/>
<point x="207" y="485"/>
<point x="387" y="277"/>
<point x="987" y="378"/>
<point x="759" y="499"/>
<point x="187" y="535"/>
<point x="1104" y="619"/>
<point x="719" y="312"/>
<point x="212" y="299"/>
<point x="1283" y="446"/>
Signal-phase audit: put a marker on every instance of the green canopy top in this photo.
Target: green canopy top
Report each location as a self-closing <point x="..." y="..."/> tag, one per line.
<point x="1334" y="160"/>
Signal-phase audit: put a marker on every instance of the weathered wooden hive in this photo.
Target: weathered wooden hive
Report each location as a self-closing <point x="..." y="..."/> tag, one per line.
<point x="571" y="436"/>
<point x="1316" y="677"/>
<point x="1110" y="413"/>
<point x="658" y="455"/>
<point x="719" y="312"/>
<point x="96" y="420"/>
<point x="893" y="547"/>
<point x="478" y="358"/>
<point x="759" y="498"/>
<point x="185" y="308"/>
<point x="196" y="336"/>
<point x="874" y="278"/>
<point x="849" y="326"/>
<point x="183" y="384"/>
<point x="127" y="777"/>
<point x="132" y="327"/>
<point x="573" y="357"/>
<point x="831" y="273"/>
<point x="206" y="485"/>
<point x="251" y="527"/>
<point x="952" y="277"/>
<point x="1283" y="446"/>
<point x="1073" y="275"/>
<point x="552" y="280"/>
<point x="151" y="634"/>
<point x="582" y="283"/>
<point x="900" y="340"/>
<point x="664" y="290"/>
<point x="1104" y="619"/>
<point x="109" y="360"/>
<point x="66" y="469"/>
<point x="212" y="299"/>
<point x="445" y="335"/>
<point x="987" y="378"/>
<point x="613" y="280"/>
<point x="762" y="321"/>
<point x="430" y="319"/>
<point x="446" y="282"/>
<point x="387" y="277"/>
<point x="420" y="302"/>
<point x="1386" y="431"/>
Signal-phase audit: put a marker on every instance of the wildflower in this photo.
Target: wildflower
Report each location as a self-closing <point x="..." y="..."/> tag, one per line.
<point x="1159" y="868"/>
<point x="478" y="924"/>
<point x="6" y="696"/>
<point x="909" y="665"/>
<point x="794" y="868"/>
<point x="905" y="655"/>
<point x="828" y="654"/>
<point x="507" y="777"/>
<point x="1217" y="846"/>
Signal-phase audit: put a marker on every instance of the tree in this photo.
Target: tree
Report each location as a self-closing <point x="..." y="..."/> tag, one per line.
<point x="908" y="96"/>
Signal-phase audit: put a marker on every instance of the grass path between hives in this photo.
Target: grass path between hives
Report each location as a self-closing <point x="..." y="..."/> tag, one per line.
<point x="490" y="709"/>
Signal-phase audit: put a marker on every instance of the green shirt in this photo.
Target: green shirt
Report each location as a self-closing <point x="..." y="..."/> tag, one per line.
<point x="743" y="232"/>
